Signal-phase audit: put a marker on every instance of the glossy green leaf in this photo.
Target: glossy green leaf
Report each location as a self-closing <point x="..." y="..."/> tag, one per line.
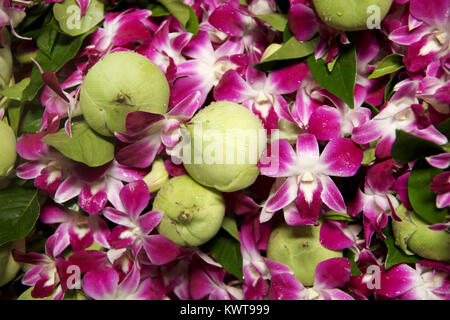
<point x="350" y="255"/>
<point x="19" y="211"/>
<point x="229" y="224"/>
<point x="32" y="119"/>
<point x="277" y="21"/>
<point x="14" y="113"/>
<point x="46" y="39"/>
<point x="422" y="199"/>
<point x="178" y="9"/>
<point x="341" y="81"/>
<point x="334" y="215"/>
<point x="15" y="92"/>
<point x="408" y="147"/>
<point x="395" y="255"/>
<point x="226" y="250"/>
<point x="388" y="65"/>
<point x="158" y="10"/>
<point x="84" y="146"/>
<point x="192" y="24"/>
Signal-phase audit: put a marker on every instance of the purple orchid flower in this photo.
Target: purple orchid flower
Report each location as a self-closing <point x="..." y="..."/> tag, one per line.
<point x="207" y="66"/>
<point x="330" y="275"/>
<point x="134" y="229"/>
<point x="364" y="285"/>
<point x="260" y="93"/>
<point x="434" y="88"/>
<point x="105" y="284"/>
<point x="428" y="281"/>
<point x="402" y="112"/>
<point x="441" y="182"/>
<point x="147" y="132"/>
<point x="12" y="14"/>
<point x="307" y="176"/>
<point x="75" y="229"/>
<point x="426" y="34"/>
<point x="338" y="235"/>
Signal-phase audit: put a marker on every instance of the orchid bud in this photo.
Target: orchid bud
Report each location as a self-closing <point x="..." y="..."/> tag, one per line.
<point x="8" y="148"/>
<point x="157" y="177"/>
<point x="70" y="19"/>
<point x="271" y="49"/>
<point x="299" y="248"/>
<point x="120" y="83"/>
<point x="412" y="235"/>
<point x="8" y="266"/>
<point x="352" y="15"/>
<point x="227" y="141"/>
<point x="193" y="214"/>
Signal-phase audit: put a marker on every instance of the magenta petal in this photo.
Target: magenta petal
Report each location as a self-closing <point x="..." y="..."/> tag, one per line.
<point x="332" y="235"/>
<point x="342" y="157"/>
<point x="88" y="259"/>
<point x="84" y="5"/>
<point x="331" y="195"/>
<point x="53" y="214"/>
<point x="92" y="203"/>
<point x="135" y="197"/>
<point x="140" y="154"/>
<point x="336" y="294"/>
<point x="279" y="160"/>
<point x="51" y="81"/>
<point x="29" y="170"/>
<point x="332" y="273"/>
<point x="302" y="22"/>
<point x="380" y="177"/>
<point x="288" y="79"/>
<point x="283" y="285"/>
<point x="307" y="146"/>
<point x="228" y="20"/>
<point x="149" y="221"/>
<point x="69" y="189"/>
<point x="231" y="87"/>
<point x="31" y="147"/>
<point x="284" y="195"/>
<point x="186" y="108"/>
<point x="441" y="161"/>
<point x="309" y="200"/>
<point x="138" y="121"/>
<point x="397" y="280"/>
<point x="325" y="123"/>
<point x="101" y="284"/>
<point x="160" y="250"/>
<point x="199" y="283"/>
<point x="432" y="12"/>
<point x="131" y="282"/>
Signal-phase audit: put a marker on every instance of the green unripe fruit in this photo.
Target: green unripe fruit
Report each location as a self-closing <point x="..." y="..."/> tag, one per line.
<point x="68" y="12"/>
<point x="412" y="235"/>
<point x="8" y="266"/>
<point x="120" y="83"/>
<point x="227" y="141"/>
<point x="193" y="214"/>
<point x="299" y="248"/>
<point x="352" y="15"/>
<point x="6" y="60"/>
<point x="8" y="149"/>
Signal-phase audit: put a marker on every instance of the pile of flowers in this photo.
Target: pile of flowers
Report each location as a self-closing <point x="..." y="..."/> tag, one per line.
<point x="349" y="192"/>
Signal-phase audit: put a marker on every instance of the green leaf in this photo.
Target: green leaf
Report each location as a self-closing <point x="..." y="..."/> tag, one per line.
<point x="422" y="199"/>
<point x="64" y="50"/>
<point x="192" y="24"/>
<point x="229" y="224"/>
<point x="408" y="147"/>
<point x="350" y="255"/>
<point x="84" y="146"/>
<point x="276" y="20"/>
<point x="340" y="82"/>
<point x="14" y="113"/>
<point x="19" y="211"/>
<point x="15" y="92"/>
<point x="334" y="215"/>
<point x="395" y="255"/>
<point x="444" y="128"/>
<point x="243" y="3"/>
<point x="32" y="119"/>
<point x="46" y="39"/>
<point x="388" y="65"/>
<point x="287" y="34"/>
<point x="227" y="251"/>
<point x="178" y="9"/>
<point x="389" y="91"/>
<point x="291" y="51"/>
<point x="158" y="10"/>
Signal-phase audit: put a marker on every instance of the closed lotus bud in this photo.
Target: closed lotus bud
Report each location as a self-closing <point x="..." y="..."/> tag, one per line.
<point x="193" y="214"/>
<point x="8" y="149"/>
<point x="8" y="266"/>
<point x="299" y="248"/>
<point x="412" y="235"/>
<point x="226" y="143"/>
<point x="352" y="15"/>
<point x="157" y="177"/>
<point x="120" y="83"/>
<point x="6" y="64"/>
<point x="68" y="15"/>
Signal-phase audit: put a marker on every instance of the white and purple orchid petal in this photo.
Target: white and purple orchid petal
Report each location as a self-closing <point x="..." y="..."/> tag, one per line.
<point x="288" y="79"/>
<point x="228" y="20"/>
<point x="88" y="259"/>
<point x="384" y="145"/>
<point x="421" y="53"/>
<point x="113" y="188"/>
<point x="198" y="82"/>
<point x="30" y="257"/>
<point x="332" y="235"/>
<point x="140" y="154"/>
<point x="403" y="35"/>
<point x="441" y="161"/>
<point x="69" y="189"/>
<point x="332" y="273"/>
<point x="135" y="197"/>
<point x="118" y="217"/>
<point x="232" y="87"/>
<point x="58" y="241"/>
<point x="30" y="146"/>
<point x="307" y="146"/>
<point x="302" y="22"/>
<point x="187" y="107"/>
<point x="293" y="218"/>
<point x="443" y="200"/>
<point x="139" y="121"/>
<point x="309" y="199"/>
<point x="341" y="157"/>
<point x="48" y="181"/>
<point x="397" y="280"/>
<point x="160" y="250"/>
<point x="84" y="4"/>
<point x="124" y="173"/>
<point x="279" y="160"/>
<point x="368" y="132"/>
<point x="33" y="275"/>
<point x="130" y="283"/>
<point x="325" y="123"/>
<point x="101" y="284"/>
<point x="335" y="294"/>
<point x="283" y="196"/>
<point x="380" y="177"/>
<point x="81" y="237"/>
<point x="283" y="284"/>
<point x="131" y="27"/>
<point x="331" y="195"/>
<point x="121" y="237"/>
<point x="53" y="214"/>
<point x="200" y="284"/>
<point x="91" y="202"/>
<point x="29" y="170"/>
<point x="150" y="220"/>
<point x="432" y="134"/>
<point x="434" y="13"/>
<point x="44" y="287"/>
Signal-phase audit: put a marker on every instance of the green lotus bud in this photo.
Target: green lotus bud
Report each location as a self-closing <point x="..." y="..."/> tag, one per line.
<point x="299" y="248"/>
<point x="193" y="214"/>
<point x="8" y="149"/>
<point x="6" y="60"/>
<point x="68" y="13"/>
<point x="8" y="266"/>
<point x="271" y="49"/>
<point x="227" y="141"/>
<point x="157" y="177"/>
<point x="412" y="235"/>
<point x="352" y="15"/>
<point x="120" y="83"/>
